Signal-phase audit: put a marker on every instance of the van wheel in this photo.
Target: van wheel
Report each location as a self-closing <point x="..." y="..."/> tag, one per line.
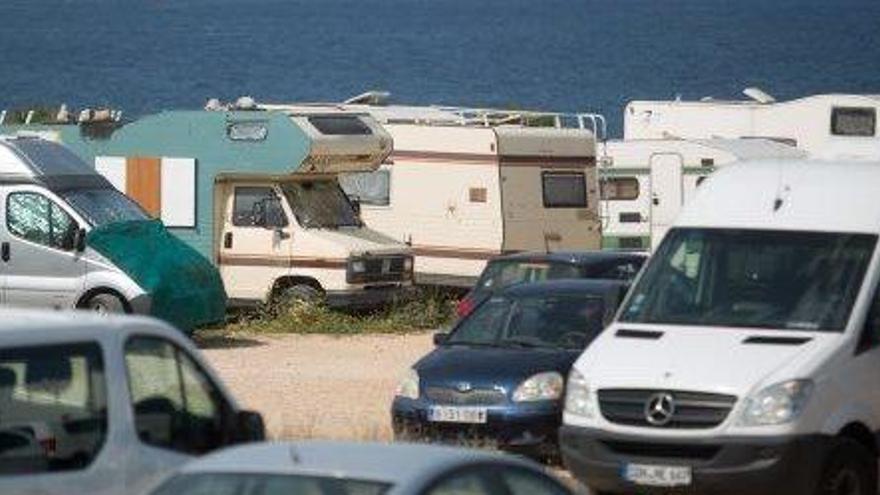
<point x="849" y="470"/>
<point x="299" y="293"/>
<point x="105" y="304"/>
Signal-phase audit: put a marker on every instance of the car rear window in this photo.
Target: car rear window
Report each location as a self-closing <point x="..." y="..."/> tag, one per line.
<point x="501" y="274"/>
<point x="267" y="484"/>
<point x="53" y="408"/>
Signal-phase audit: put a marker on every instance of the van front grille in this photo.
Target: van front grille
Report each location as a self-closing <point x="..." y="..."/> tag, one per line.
<point x="689" y="409"/>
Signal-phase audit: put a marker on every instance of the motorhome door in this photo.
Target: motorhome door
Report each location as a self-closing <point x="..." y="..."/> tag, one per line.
<point x="255" y="240"/>
<point x="40" y="266"/>
<point x="667" y="193"/>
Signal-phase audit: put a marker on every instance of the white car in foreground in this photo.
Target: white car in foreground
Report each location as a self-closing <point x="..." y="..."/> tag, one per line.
<point x="105" y="405"/>
<point x="346" y="468"/>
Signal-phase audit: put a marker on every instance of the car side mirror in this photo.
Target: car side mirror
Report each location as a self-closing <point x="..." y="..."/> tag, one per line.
<point x="248" y="427"/>
<point x="441" y="338"/>
<point x="79" y="240"/>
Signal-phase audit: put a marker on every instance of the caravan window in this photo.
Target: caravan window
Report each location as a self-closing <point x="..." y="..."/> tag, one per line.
<point x="343" y="125"/>
<point x="33" y="217"/>
<point x="620" y="188"/>
<point x="564" y="190"/>
<point x="370" y="188"/>
<point x="852" y="121"/>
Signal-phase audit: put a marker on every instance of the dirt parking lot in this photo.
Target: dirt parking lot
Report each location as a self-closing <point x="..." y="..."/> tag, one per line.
<point x="317" y="385"/>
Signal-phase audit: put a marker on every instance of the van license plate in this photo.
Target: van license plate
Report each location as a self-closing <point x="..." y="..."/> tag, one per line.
<point x="651" y="475"/>
<point x="446" y="414"/>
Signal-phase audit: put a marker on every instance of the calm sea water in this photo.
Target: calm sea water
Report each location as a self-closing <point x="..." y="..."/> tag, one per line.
<point x="589" y="55"/>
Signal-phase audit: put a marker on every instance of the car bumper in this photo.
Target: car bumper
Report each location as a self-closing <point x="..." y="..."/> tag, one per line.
<point x="530" y="429"/>
<point x="368" y="296"/>
<point x="753" y="465"/>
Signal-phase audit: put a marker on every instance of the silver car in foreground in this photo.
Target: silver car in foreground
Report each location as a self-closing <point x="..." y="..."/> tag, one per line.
<point x="345" y="468"/>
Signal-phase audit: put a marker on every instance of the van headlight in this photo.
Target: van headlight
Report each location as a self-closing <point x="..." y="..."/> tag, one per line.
<point x="408" y="264"/>
<point x="578" y="396"/>
<point x="358" y="266"/>
<point x="409" y="385"/>
<point x="543" y="386"/>
<point x="777" y="404"/>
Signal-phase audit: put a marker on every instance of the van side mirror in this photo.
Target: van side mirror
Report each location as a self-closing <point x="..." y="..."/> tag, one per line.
<point x="441" y="338"/>
<point x="248" y="427"/>
<point x="79" y="240"/>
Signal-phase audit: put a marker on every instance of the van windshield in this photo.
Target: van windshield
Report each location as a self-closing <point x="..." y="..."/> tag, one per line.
<point x="104" y="206"/>
<point x="320" y="204"/>
<point x="752" y="278"/>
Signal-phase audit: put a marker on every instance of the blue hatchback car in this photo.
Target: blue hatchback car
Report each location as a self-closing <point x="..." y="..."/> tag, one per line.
<point x="498" y="378"/>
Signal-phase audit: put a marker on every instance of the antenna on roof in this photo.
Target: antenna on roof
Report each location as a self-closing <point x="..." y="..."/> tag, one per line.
<point x="376" y="98"/>
<point x="758" y="95"/>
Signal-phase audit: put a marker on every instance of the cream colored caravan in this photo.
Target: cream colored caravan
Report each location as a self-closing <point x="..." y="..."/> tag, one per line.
<point x="839" y="126"/>
<point x="464" y="185"/>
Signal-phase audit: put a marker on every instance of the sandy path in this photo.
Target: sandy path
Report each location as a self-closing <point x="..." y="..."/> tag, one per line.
<point x="316" y="385"/>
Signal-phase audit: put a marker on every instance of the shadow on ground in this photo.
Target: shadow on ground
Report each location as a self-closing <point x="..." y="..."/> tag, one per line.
<point x="224" y="341"/>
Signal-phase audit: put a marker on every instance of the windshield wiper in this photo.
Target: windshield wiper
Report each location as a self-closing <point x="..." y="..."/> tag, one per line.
<point x="471" y="342"/>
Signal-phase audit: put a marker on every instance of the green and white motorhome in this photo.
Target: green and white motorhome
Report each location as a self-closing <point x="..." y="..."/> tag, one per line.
<point x="257" y="193"/>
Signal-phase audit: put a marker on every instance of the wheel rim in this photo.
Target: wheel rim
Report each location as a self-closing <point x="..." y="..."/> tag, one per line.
<point x="99" y="308"/>
<point x="845" y="482"/>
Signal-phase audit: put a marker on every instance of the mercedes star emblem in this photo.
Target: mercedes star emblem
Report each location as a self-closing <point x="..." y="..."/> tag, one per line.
<point x="660" y="409"/>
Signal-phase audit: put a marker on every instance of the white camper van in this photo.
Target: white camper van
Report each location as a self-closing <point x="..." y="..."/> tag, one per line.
<point x="464" y="185"/>
<point x="747" y="354"/>
<point x="830" y="126"/>
<point x="58" y="244"/>
<point x="645" y="182"/>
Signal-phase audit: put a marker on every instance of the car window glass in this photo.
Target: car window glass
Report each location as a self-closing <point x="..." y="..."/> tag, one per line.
<point x="484" y="325"/>
<point x="33" y="217"/>
<point x="521" y="482"/>
<point x="267" y="484"/>
<point x="471" y="483"/>
<point x="370" y="188"/>
<point x="53" y="407"/>
<point x="501" y="274"/>
<point x="176" y="406"/>
<point x="252" y="205"/>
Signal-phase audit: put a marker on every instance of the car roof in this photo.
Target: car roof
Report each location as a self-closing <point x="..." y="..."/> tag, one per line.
<point x="20" y="325"/>
<point x="555" y="286"/>
<point x="399" y="464"/>
<point x="573" y="257"/>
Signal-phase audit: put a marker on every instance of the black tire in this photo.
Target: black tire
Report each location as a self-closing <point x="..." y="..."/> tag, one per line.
<point x="300" y="293"/>
<point x="849" y="469"/>
<point x="105" y="304"/>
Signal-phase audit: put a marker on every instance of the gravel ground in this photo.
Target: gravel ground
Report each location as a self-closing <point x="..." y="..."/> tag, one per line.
<point x="317" y="386"/>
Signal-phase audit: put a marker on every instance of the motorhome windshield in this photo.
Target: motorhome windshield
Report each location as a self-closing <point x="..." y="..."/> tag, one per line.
<point x="751" y="278"/>
<point x="320" y="204"/>
<point x="104" y="206"/>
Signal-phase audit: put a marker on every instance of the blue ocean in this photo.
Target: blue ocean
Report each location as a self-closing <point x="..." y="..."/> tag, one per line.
<point x="572" y="55"/>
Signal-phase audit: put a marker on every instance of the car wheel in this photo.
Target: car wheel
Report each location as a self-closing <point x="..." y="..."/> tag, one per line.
<point x="849" y="470"/>
<point x="105" y="304"/>
<point x="299" y="293"/>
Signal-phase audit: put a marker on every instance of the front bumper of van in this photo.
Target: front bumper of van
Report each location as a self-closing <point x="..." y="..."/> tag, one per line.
<point x="720" y="465"/>
<point x="369" y="296"/>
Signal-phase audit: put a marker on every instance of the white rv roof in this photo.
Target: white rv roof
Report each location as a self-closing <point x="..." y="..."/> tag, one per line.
<point x="753" y="149"/>
<point x="709" y="101"/>
<point x="815" y="196"/>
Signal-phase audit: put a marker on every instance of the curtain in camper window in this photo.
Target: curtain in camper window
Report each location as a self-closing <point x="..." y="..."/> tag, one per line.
<point x="370" y="188"/>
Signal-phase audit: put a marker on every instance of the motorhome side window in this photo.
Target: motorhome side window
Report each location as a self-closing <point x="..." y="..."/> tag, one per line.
<point x="53" y="407"/>
<point x="175" y="405"/>
<point x="620" y="188"/>
<point x="257" y="207"/>
<point x="369" y="188"/>
<point x="35" y="218"/>
<point x="340" y="125"/>
<point x="564" y="189"/>
<point x="853" y="121"/>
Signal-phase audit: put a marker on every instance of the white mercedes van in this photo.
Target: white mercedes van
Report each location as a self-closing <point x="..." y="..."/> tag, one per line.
<point x="746" y="358"/>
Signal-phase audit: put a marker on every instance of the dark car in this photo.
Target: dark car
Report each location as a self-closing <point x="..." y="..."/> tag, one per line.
<point x="498" y="378"/>
<point x="504" y="271"/>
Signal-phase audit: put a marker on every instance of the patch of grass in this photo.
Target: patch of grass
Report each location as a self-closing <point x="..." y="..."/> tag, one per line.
<point x="429" y="309"/>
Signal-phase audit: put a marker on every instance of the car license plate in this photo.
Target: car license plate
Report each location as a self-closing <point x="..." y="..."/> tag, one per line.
<point x="651" y="475"/>
<point x="446" y="414"/>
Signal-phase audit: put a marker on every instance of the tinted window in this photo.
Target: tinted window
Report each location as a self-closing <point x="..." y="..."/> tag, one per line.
<point x="552" y="320"/>
<point x="35" y="218"/>
<point x="320" y="204"/>
<point x="370" y="188"/>
<point x="751" y="278"/>
<point x="522" y="482"/>
<point x="253" y="206"/>
<point x="504" y="273"/>
<point x="52" y="158"/>
<point x="617" y="270"/>
<point x="53" y="407"/>
<point x="104" y="206"/>
<point x="175" y="404"/>
<point x="851" y="121"/>
<point x="266" y="484"/>
<point x="620" y="188"/>
<point x="340" y="125"/>
<point x="472" y="483"/>
<point x="564" y="190"/>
